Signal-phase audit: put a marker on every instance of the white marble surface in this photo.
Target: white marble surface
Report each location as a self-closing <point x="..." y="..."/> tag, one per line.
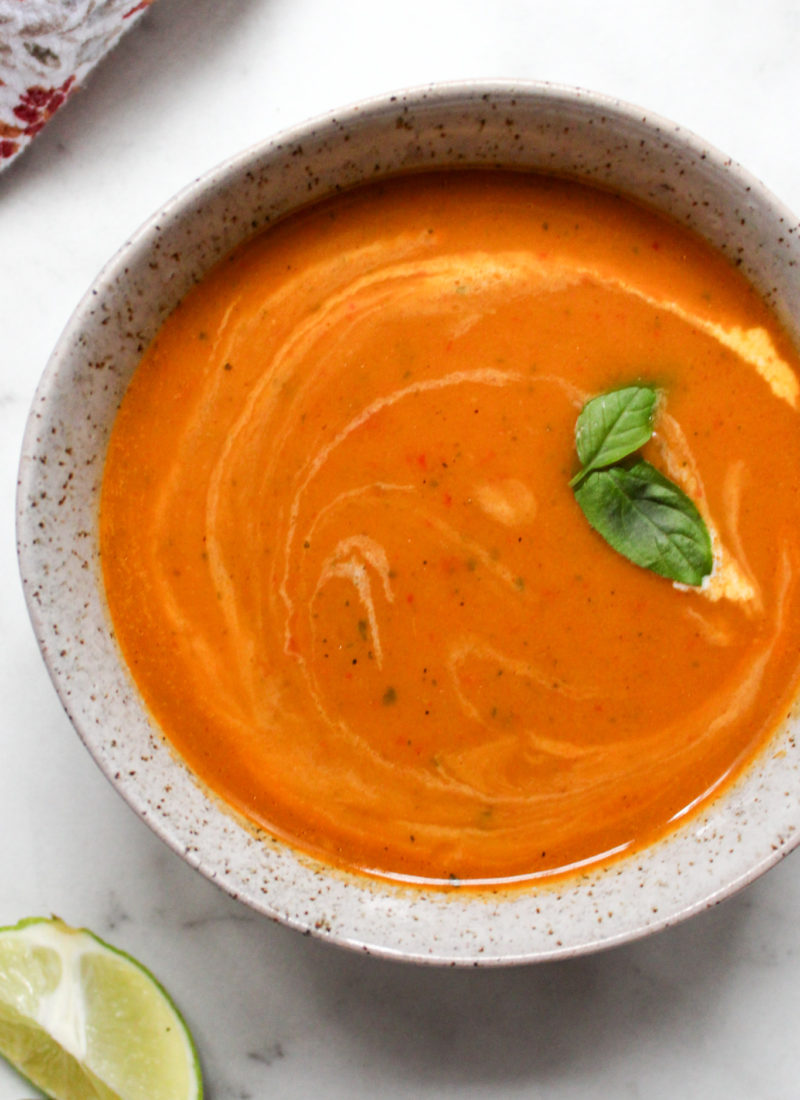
<point x="708" y="1009"/>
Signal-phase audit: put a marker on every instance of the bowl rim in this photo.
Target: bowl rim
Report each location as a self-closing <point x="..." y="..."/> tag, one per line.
<point x="331" y="888"/>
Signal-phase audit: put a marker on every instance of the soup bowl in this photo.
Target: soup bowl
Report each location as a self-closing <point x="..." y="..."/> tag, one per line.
<point x="536" y="127"/>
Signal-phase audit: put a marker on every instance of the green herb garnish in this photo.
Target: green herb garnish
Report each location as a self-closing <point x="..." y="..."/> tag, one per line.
<point x="639" y="512"/>
<point x="612" y="426"/>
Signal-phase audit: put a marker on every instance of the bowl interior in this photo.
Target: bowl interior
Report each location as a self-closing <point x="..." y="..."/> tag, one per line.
<point x="531" y="127"/>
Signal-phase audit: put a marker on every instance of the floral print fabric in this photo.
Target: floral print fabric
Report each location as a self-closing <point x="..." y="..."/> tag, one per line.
<point x="47" y="47"/>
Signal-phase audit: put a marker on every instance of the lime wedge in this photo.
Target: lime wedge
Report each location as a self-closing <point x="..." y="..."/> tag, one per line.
<point x="83" y="1021"/>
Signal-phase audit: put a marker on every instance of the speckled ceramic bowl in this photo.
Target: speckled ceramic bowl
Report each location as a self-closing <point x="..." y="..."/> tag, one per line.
<point x="527" y="126"/>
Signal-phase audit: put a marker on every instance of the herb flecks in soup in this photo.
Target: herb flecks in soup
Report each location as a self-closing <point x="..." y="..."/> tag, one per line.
<point x="348" y="571"/>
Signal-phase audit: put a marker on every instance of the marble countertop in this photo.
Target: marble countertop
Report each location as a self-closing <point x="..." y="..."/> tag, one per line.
<point x="707" y="1009"/>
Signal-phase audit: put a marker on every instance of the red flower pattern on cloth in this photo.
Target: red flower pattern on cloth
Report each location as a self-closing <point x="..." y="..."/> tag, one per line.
<point x="38" y="104"/>
<point x="49" y="47"/>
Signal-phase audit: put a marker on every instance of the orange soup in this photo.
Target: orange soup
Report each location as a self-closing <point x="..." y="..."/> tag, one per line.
<point x="346" y="567"/>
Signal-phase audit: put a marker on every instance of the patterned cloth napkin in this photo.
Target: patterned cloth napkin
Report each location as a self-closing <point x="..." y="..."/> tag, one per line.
<point x="47" y="47"/>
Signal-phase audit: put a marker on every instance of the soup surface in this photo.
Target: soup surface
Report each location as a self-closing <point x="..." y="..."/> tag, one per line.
<point x="347" y="570"/>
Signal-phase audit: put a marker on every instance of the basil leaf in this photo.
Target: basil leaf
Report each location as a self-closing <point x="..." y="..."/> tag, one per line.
<point x="645" y="517"/>
<point x="612" y="426"/>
